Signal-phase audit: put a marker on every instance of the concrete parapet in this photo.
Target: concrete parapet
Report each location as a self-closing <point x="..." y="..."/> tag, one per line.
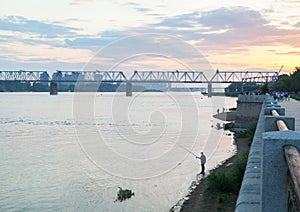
<point x="249" y="108"/>
<point x="264" y="183"/>
<point x="274" y="169"/>
<point x="271" y="125"/>
<point x="249" y="198"/>
<point x="253" y="98"/>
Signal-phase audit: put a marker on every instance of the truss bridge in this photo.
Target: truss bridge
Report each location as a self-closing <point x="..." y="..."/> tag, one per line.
<point x="138" y="77"/>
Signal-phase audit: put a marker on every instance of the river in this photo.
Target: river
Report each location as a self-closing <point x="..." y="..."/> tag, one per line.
<point x="72" y="152"/>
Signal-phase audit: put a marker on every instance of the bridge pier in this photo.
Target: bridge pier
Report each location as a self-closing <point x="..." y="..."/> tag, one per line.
<point x="53" y="88"/>
<point x="128" y="89"/>
<point x="209" y="89"/>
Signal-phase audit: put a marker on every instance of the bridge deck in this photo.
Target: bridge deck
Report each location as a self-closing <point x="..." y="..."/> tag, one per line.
<point x="139" y="76"/>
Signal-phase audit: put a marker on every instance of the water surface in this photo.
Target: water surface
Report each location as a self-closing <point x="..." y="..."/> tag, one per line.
<point x="54" y="156"/>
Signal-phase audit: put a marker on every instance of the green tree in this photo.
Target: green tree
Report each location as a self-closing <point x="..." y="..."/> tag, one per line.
<point x="283" y="84"/>
<point x="264" y="88"/>
<point x="295" y="79"/>
<point x="289" y="83"/>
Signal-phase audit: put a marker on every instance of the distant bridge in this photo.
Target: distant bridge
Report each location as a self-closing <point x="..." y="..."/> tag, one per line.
<point x="138" y="77"/>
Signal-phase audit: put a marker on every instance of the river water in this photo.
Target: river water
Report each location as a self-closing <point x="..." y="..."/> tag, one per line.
<point x="72" y="152"/>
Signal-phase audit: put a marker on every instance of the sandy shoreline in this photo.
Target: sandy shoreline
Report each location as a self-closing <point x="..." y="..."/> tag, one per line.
<point x="194" y="200"/>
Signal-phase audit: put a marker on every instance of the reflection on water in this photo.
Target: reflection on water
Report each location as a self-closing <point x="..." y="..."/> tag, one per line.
<point x="50" y="155"/>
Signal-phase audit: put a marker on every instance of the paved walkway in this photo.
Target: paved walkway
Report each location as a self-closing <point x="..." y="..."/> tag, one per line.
<point x="292" y="108"/>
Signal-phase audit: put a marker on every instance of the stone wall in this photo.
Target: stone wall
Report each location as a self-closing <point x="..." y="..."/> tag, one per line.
<point x="264" y="186"/>
<point x="248" y="109"/>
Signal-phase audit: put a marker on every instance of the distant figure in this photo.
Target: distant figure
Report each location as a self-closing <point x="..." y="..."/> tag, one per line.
<point x="223" y="109"/>
<point x="218" y="111"/>
<point x="202" y="161"/>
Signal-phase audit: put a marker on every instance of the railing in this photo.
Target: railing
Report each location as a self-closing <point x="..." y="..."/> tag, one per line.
<point x="280" y="124"/>
<point x="292" y="158"/>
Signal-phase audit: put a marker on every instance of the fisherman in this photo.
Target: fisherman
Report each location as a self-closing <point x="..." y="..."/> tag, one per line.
<point x="202" y="161"/>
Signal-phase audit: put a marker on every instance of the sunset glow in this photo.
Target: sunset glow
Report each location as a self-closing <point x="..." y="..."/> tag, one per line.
<point x="66" y="34"/>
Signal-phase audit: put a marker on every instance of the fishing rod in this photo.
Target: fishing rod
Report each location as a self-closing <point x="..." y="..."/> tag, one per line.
<point x="188" y="150"/>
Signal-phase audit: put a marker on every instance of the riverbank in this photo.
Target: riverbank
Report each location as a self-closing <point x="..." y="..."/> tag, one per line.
<point x="202" y="199"/>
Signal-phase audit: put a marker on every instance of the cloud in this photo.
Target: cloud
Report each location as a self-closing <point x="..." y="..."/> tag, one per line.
<point x="294" y="53"/>
<point x="78" y="2"/>
<point x="142" y="9"/>
<point x="297" y="25"/>
<point x="237" y="17"/>
<point x="180" y="21"/>
<point x="241" y="27"/>
<point x="21" y="24"/>
<point x="221" y="30"/>
<point x="137" y="7"/>
<point x="88" y="43"/>
<point x="224" y="32"/>
<point x="20" y="51"/>
<point x="231" y="27"/>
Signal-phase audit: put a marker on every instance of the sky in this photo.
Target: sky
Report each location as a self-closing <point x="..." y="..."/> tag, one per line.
<point x="149" y="35"/>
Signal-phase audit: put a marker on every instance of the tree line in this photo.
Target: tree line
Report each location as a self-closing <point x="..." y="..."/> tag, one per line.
<point x="18" y="86"/>
<point x="288" y="83"/>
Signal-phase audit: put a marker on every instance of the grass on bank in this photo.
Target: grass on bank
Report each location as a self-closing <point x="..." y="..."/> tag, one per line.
<point x="296" y="97"/>
<point x="248" y="133"/>
<point x="229" y="181"/>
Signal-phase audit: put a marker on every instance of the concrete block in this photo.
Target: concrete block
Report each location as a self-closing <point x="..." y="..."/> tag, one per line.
<point x="252" y="185"/>
<point x="280" y="111"/>
<point x="274" y="169"/>
<point x="254" y="164"/>
<point x="252" y="170"/>
<point x="247" y="207"/>
<point x="249" y="197"/>
<point x="252" y="175"/>
<point x="271" y="125"/>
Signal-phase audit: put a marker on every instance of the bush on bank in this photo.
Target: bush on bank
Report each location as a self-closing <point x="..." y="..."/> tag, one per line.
<point x="296" y="97"/>
<point x="248" y="133"/>
<point x="231" y="180"/>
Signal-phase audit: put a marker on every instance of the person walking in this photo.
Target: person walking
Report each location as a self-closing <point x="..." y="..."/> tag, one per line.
<point x="202" y="161"/>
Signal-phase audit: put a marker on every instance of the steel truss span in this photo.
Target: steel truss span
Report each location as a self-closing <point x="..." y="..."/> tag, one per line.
<point x="140" y="76"/>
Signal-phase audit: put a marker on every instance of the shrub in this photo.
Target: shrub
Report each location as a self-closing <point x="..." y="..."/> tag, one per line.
<point x="223" y="198"/>
<point x="231" y="180"/>
<point x="220" y="181"/>
<point x="251" y="131"/>
<point x="242" y="134"/>
<point x="248" y="133"/>
<point x="296" y="97"/>
<point x="219" y="126"/>
<point x="238" y="168"/>
<point x="228" y="126"/>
